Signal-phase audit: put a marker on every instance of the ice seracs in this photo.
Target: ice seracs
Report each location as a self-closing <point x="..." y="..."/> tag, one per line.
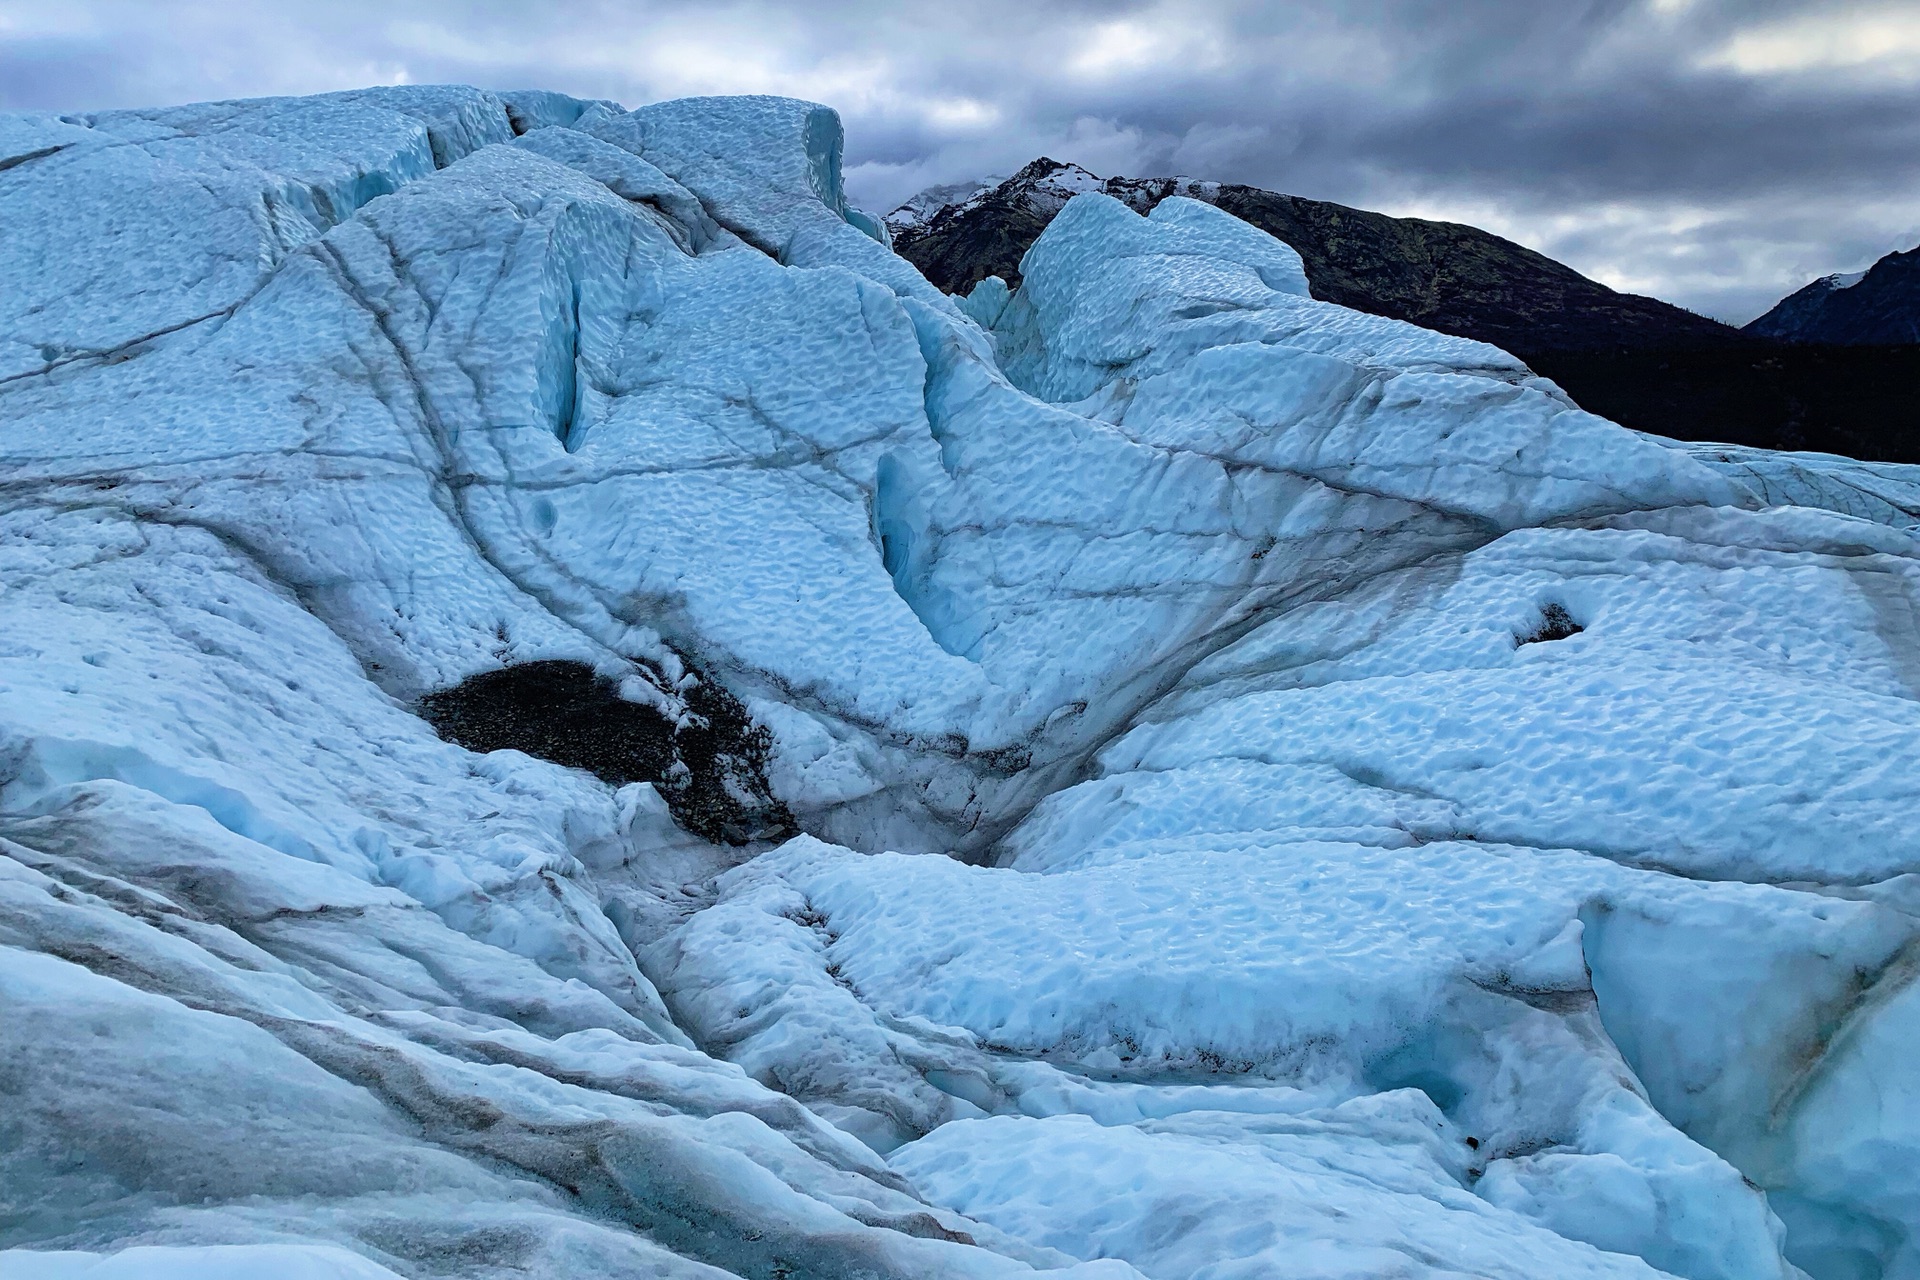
<point x="1298" y="914"/>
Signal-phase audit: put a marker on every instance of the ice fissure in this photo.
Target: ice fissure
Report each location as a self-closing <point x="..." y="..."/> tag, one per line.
<point x="1282" y="791"/>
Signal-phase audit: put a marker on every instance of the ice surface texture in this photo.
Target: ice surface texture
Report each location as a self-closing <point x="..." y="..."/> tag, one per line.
<point x="1399" y="824"/>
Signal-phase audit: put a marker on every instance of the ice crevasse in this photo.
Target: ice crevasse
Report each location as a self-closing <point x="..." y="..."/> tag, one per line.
<point x="1151" y="774"/>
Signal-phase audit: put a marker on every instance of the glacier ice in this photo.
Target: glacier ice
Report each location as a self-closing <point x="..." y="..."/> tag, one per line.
<point x="1308" y="906"/>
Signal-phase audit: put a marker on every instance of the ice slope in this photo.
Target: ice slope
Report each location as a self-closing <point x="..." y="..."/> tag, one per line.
<point x="1401" y="824"/>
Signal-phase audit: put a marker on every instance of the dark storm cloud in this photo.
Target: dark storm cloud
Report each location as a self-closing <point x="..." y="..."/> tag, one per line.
<point x="1713" y="153"/>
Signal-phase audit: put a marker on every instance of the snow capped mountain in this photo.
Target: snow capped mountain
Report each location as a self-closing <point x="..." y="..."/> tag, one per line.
<point x="1042" y="187"/>
<point x="564" y="711"/>
<point x="923" y="207"/>
<point x="1880" y="305"/>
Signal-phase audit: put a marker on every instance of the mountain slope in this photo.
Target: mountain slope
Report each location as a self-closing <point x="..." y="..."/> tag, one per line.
<point x="1440" y="275"/>
<point x="1879" y="306"/>
<point x="1280" y="790"/>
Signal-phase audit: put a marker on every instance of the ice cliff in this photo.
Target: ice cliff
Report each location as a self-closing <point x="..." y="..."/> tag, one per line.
<point x="1146" y="775"/>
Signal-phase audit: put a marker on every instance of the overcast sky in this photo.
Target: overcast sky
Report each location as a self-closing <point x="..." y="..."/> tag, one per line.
<point x="1716" y="153"/>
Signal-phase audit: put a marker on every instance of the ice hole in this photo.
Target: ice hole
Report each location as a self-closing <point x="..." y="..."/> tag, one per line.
<point x="710" y="765"/>
<point x="1555" y="624"/>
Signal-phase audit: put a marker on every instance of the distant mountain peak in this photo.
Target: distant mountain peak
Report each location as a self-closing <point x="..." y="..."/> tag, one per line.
<point x="914" y="213"/>
<point x="1041" y="186"/>
<point x="1445" y="276"/>
<point x="1876" y="307"/>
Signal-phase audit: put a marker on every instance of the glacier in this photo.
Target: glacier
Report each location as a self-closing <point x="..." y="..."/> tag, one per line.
<point x="1146" y="774"/>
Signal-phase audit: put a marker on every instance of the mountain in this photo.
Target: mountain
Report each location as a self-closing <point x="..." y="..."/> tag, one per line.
<point x="932" y="201"/>
<point x="1640" y="361"/>
<point x="1800" y="311"/>
<point x="1876" y="307"/>
<point x="564" y="712"/>
<point x="1440" y="275"/>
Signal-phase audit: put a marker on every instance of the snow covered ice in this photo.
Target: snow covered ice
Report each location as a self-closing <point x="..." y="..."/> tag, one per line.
<point x="1146" y="775"/>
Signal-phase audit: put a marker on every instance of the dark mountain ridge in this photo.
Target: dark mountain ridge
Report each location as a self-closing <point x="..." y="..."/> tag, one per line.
<point x="1876" y="307"/>
<point x="1440" y="275"/>
<point x="1642" y="362"/>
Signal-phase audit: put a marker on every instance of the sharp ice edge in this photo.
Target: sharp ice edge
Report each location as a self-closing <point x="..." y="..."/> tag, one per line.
<point x="1315" y="923"/>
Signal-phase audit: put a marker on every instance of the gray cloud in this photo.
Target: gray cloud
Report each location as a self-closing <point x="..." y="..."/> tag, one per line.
<point x="1710" y="152"/>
